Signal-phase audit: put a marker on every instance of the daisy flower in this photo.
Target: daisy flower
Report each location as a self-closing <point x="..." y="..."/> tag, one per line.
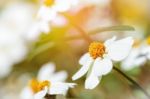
<point x="139" y="54"/>
<point x="98" y="61"/>
<point x="47" y="82"/>
<point x="50" y="8"/>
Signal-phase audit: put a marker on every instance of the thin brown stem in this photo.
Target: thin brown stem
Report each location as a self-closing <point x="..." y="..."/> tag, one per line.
<point x="132" y="81"/>
<point x="47" y="96"/>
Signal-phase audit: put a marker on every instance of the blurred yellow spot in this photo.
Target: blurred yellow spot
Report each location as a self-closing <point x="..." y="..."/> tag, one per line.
<point x="37" y="86"/>
<point x="136" y="43"/>
<point x="96" y="49"/>
<point x="148" y="40"/>
<point x="48" y="2"/>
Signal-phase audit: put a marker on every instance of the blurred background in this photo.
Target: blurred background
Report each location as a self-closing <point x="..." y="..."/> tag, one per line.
<point x="22" y="53"/>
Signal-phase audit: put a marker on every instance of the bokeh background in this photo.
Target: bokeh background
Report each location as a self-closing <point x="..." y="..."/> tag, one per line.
<point x="22" y="54"/>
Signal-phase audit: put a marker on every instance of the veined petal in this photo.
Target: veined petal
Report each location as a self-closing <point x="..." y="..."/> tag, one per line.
<point x="46" y="71"/>
<point x="102" y="66"/>
<point x="91" y="81"/>
<point x="120" y="49"/>
<point x="83" y="69"/>
<point x="41" y="94"/>
<point x="84" y="59"/>
<point x="60" y="88"/>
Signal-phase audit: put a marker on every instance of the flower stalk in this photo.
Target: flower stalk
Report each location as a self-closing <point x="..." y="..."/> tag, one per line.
<point x="132" y="81"/>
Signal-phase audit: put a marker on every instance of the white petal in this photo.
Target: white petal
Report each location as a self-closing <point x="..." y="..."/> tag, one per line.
<point x="120" y="49"/>
<point x="110" y="41"/>
<point x="91" y="81"/>
<point x="46" y="71"/>
<point x="133" y="60"/>
<point x="102" y="66"/>
<point x="41" y="94"/>
<point x="84" y="59"/>
<point x="26" y="93"/>
<point x="60" y="88"/>
<point x="59" y="76"/>
<point x="46" y="13"/>
<point x="83" y="69"/>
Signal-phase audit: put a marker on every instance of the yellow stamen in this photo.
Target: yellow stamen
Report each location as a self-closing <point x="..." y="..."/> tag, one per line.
<point x="48" y="2"/>
<point x="37" y="86"/>
<point x="136" y="43"/>
<point x="148" y="40"/>
<point x="96" y="49"/>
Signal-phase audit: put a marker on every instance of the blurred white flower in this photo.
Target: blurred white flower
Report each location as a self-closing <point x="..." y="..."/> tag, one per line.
<point x="98" y="61"/>
<point x="18" y="17"/>
<point x="47" y="14"/>
<point x="15" y="19"/>
<point x="36" y="29"/>
<point x="47" y="82"/>
<point x="12" y="50"/>
<point x="140" y="53"/>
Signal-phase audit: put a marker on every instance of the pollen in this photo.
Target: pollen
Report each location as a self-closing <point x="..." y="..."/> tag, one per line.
<point x="148" y="40"/>
<point x="48" y="2"/>
<point x="96" y="49"/>
<point x="37" y="86"/>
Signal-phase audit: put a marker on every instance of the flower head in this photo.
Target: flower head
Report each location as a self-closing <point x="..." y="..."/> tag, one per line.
<point x="98" y="61"/>
<point x="37" y="86"/>
<point x="96" y="49"/>
<point x="47" y="82"/>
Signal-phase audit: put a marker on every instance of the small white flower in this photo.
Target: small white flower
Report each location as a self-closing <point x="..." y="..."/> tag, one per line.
<point x="12" y="50"/>
<point x="47" y="82"/>
<point x="140" y="53"/>
<point x="133" y="60"/>
<point x="98" y="61"/>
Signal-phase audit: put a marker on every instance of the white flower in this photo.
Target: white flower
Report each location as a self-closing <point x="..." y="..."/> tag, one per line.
<point x="36" y="29"/>
<point x="133" y="60"/>
<point x="98" y="61"/>
<point x="47" y="82"/>
<point x="140" y="53"/>
<point x="12" y="50"/>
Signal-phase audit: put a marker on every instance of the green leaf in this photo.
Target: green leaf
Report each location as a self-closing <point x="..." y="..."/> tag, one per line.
<point x="40" y="49"/>
<point x="112" y="28"/>
<point x="104" y="29"/>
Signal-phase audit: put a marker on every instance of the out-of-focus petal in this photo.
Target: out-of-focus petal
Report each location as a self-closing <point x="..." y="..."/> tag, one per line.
<point x="41" y="94"/>
<point x="26" y="93"/>
<point x="46" y="71"/>
<point x="60" y="88"/>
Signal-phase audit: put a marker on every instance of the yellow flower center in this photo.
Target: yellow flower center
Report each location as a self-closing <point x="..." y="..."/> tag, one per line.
<point x="136" y="43"/>
<point x="48" y="2"/>
<point x="96" y="49"/>
<point x="37" y="86"/>
<point x="148" y="40"/>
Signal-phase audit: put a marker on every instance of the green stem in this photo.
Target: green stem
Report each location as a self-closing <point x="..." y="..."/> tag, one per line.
<point x="132" y="81"/>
